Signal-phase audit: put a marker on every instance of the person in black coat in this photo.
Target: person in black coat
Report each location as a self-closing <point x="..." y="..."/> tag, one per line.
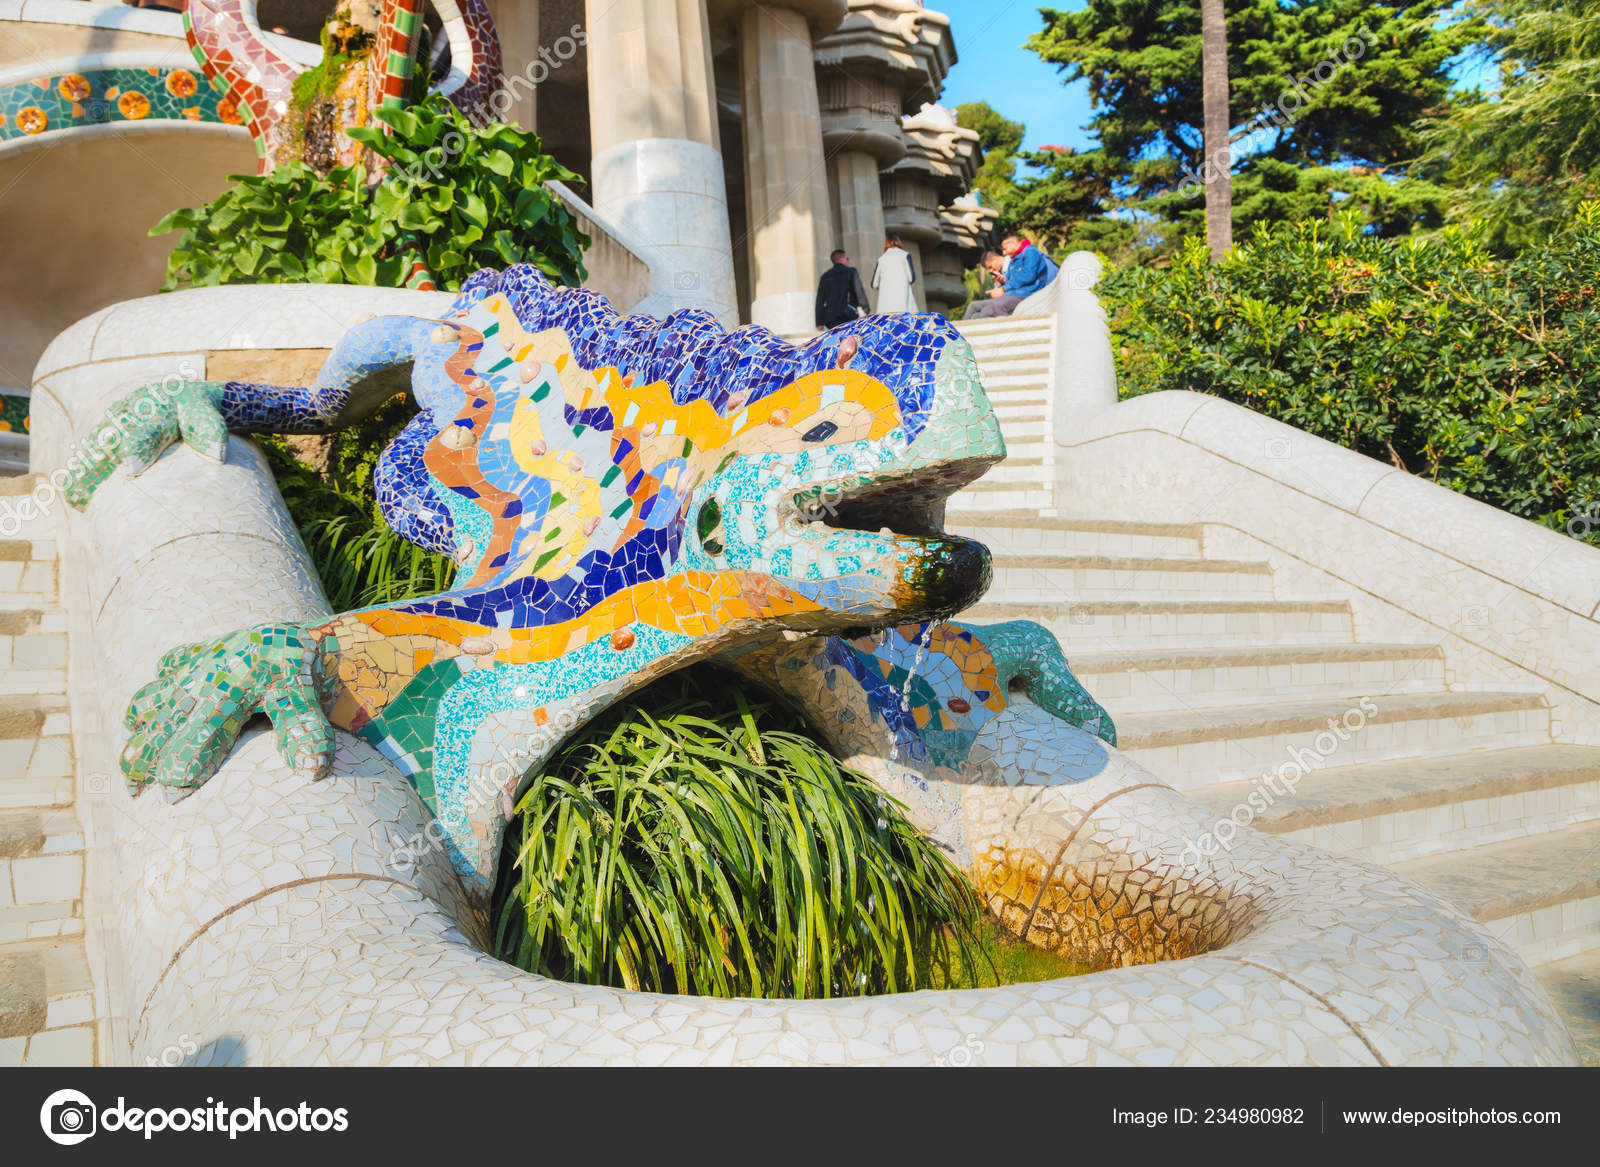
<point x="840" y="295"/>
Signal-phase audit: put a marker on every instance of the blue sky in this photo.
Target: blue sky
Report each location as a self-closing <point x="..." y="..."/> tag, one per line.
<point x="994" y="67"/>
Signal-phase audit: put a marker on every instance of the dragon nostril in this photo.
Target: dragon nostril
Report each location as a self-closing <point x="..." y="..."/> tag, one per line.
<point x="820" y="432"/>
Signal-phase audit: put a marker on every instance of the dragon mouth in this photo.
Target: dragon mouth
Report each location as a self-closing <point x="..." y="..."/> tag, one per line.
<point x="946" y="573"/>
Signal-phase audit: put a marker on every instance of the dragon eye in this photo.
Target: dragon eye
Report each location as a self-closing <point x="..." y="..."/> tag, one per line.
<point x="819" y="432"/>
<point x="710" y="528"/>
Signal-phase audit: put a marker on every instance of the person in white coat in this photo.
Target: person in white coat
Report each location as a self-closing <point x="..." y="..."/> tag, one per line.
<point x="893" y="277"/>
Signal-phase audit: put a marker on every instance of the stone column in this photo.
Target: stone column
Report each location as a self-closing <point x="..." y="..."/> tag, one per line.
<point x="940" y="161"/>
<point x="786" y="178"/>
<point x="885" y="57"/>
<point x="517" y="23"/>
<point x="657" y="159"/>
<point x="858" y="209"/>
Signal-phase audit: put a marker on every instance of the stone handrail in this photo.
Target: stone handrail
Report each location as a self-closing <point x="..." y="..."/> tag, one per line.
<point x="1083" y="376"/>
<point x="266" y="919"/>
<point x="117" y="21"/>
<point x="144" y="38"/>
<point x="1516" y="604"/>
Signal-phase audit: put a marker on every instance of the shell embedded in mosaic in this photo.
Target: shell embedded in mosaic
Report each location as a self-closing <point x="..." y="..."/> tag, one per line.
<point x="231" y="917"/>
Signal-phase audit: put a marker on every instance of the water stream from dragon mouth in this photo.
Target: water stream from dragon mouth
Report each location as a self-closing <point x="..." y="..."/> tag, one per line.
<point x="905" y="686"/>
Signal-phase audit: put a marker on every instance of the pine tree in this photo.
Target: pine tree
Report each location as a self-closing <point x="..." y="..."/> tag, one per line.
<point x="1326" y="99"/>
<point x="1523" y="158"/>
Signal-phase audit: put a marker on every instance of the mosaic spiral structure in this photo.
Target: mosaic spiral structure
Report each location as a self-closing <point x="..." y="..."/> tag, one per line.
<point x="256" y="81"/>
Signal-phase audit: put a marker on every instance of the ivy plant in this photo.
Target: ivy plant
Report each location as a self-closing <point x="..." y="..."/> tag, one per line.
<point x="455" y="196"/>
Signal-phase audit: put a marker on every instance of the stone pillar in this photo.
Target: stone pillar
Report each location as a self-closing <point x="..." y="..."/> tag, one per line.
<point x="517" y="23"/>
<point x="657" y="159"/>
<point x="858" y="209"/>
<point x="786" y="178"/>
<point x="884" y="55"/>
<point x="1085" y="373"/>
<point x="940" y="161"/>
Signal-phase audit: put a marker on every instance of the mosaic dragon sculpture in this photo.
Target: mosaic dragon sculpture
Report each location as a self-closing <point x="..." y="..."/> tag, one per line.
<point x="625" y="496"/>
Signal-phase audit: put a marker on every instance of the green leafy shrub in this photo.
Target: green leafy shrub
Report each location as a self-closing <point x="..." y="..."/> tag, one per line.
<point x="678" y="844"/>
<point x="1477" y="373"/>
<point x="457" y="196"/>
<point x="361" y="562"/>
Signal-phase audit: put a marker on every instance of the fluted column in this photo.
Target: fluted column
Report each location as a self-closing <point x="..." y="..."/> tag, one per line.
<point x="517" y="24"/>
<point x="657" y="158"/>
<point x="858" y="209"/>
<point x="786" y="178"/>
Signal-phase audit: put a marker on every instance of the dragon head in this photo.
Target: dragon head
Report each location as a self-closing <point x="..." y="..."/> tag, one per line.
<point x="586" y="458"/>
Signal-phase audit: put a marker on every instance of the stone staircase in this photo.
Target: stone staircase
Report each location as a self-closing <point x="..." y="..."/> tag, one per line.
<point x="1273" y="710"/>
<point x="47" y="1008"/>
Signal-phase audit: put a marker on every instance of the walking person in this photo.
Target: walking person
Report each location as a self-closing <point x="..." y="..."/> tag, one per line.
<point x="894" y="276"/>
<point x="1027" y="270"/>
<point x="840" y="296"/>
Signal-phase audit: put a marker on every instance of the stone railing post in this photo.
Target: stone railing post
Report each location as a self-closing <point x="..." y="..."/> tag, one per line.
<point x="1084" y="378"/>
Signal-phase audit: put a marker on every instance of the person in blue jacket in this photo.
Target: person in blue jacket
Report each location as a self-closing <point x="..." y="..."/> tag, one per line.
<point x="1027" y="270"/>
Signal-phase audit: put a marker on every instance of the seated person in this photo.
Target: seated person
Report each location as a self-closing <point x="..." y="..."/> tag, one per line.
<point x="1027" y="270"/>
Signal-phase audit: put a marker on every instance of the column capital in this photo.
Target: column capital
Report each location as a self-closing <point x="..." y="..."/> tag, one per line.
<point x="939" y="153"/>
<point x="965" y="226"/>
<point x="823" y="16"/>
<point x="899" y="40"/>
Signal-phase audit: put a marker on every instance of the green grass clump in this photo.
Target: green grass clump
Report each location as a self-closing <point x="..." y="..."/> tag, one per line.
<point x="681" y="844"/>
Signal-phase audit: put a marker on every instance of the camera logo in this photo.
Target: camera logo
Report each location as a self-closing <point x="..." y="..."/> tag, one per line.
<point x="67" y="1117"/>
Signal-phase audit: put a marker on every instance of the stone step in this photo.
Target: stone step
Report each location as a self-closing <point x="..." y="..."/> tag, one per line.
<point x="994" y="327"/>
<point x="1003" y="357"/>
<point x="36" y="767"/>
<point x="1107" y="625"/>
<point x="1016" y="410"/>
<point x="1025" y="438"/>
<point x="1026" y="533"/>
<point x="995" y="324"/>
<point x="1023" y="445"/>
<point x="27" y="572"/>
<point x="1045" y="579"/>
<point x="1019" y="469"/>
<point x="1540" y="896"/>
<point x="1139" y="680"/>
<point x="983" y="494"/>
<point x="1391" y="812"/>
<point x="33" y="651"/>
<point x="1025" y="418"/>
<point x="1012" y="385"/>
<point x="41" y="874"/>
<point x="46" y="1005"/>
<point x="1195" y="747"/>
<point x="1574" y="987"/>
